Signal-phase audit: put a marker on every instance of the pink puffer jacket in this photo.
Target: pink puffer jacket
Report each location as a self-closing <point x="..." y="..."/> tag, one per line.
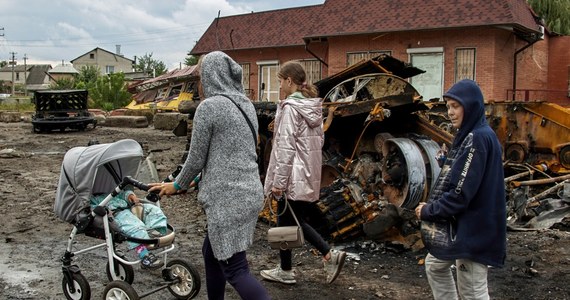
<point x="296" y="158"/>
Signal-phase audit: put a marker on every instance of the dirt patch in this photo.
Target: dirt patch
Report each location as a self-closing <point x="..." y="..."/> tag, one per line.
<point x="34" y="239"/>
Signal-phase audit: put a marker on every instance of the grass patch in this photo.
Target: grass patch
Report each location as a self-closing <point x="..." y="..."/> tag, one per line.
<point x="18" y="107"/>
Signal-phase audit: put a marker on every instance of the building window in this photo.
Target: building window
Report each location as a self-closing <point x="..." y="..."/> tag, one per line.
<point x="313" y="70"/>
<point x="17" y="76"/>
<point x="110" y="69"/>
<point x="464" y="64"/>
<point x="354" y="57"/>
<point x="268" y="82"/>
<point x="245" y="80"/>
<point x="92" y="55"/>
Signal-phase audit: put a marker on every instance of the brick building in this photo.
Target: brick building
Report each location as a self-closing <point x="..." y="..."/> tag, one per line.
<point x="500" y="44"/>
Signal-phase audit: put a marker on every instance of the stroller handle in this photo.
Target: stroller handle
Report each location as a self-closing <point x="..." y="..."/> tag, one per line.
<point x="129" y="180"/>
<point x="152" y="196"/>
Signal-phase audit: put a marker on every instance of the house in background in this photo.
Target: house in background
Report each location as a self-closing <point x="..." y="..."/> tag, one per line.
<point x="62" y="71"/>
<point x="28" y="78"/>
<point x="500" y="44"/>
<point x="107" y="62"/>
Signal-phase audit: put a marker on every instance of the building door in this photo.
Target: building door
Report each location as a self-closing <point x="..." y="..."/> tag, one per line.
<point x="430" y="83"/>
<point x="268" y="83"/>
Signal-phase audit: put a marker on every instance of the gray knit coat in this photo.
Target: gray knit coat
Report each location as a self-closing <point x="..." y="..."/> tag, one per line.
<point x="223" y="149"/>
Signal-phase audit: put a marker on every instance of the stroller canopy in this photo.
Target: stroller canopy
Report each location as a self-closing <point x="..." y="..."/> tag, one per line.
<point x="83" y="173"/>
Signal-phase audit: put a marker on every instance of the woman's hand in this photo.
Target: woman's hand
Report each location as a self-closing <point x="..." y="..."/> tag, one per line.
<point x="419" y="210"/>
<point x="165" y="188"/>
<point x="277" y="193"/>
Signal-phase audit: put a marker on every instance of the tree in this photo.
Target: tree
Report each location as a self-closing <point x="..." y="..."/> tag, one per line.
<point x="150" y="66"/>
<point x="62" y="84"/>
<point x="87" y="77"/>
<point x="110" y="92"/>
<point x="3" y="64"/>
<point x="556" y="14"/>
<point x="191" y="60"/>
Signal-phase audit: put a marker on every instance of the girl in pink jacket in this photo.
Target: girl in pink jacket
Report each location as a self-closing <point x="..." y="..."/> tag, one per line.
<point x="294" y="170"/>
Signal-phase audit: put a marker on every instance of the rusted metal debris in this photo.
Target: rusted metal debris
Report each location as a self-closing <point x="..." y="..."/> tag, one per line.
<point x="379" y="155"/>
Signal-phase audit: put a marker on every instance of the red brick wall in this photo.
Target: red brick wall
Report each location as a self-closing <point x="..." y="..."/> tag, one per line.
<point x="559" y="66"/>
<point x="495" y="51"/>
<point x="282" y="55"/>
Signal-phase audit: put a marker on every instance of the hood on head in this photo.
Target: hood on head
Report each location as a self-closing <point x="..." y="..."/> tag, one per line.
<point x="469" y="95"/>
<point x="309" y="108"/>
<point x="220" y="75"/>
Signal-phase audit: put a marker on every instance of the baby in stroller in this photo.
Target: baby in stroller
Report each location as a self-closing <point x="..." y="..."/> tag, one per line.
<point x="96" y="194"/>
<point x="136" y="219"/>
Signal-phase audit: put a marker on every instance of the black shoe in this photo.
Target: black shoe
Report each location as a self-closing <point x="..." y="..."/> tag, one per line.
<point x="151" y="262"/>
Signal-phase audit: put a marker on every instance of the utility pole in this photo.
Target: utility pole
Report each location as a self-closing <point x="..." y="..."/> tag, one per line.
<point x="25" y="76"/>
<point x="13" y="63"/>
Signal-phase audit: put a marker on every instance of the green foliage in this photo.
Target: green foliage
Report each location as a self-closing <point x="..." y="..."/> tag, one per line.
<point x="110" y="92"/>
<point x="62" y="84"/>
<point x="87" y="77"/>
<point x="3" y="63"/>
<point x="556" y="14"/>
<point x="4" y="87"/>
<point x="150" y="66"/>
<point x="18" y="106"/>
<point x="191" y="60"/>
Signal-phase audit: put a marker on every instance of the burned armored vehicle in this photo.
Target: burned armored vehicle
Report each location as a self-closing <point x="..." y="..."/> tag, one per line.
<point x="381" y="139"/>
<point x="379" y="154"/>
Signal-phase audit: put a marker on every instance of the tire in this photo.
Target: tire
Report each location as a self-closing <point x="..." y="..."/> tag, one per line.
<point x="123" y="272"/>
<point x="189" y="284"/>
<point x="119" y="290"/>
<point x="82" y="288"/>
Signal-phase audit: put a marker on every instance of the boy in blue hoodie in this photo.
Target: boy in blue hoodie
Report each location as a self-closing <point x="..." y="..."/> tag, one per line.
<point x="464" y="220"/>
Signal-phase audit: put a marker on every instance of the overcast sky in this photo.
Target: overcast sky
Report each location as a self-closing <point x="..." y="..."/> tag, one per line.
<point x="52" y="31"/>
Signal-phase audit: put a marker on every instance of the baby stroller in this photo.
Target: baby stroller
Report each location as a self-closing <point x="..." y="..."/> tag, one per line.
<point x="107" y="169"/>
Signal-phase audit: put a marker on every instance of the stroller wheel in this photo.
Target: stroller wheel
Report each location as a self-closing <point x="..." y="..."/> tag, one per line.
<point x="119" y="290"/>
<point x="122" y="272"/>
<point x="82" y="288"/>
<point x="186" y="279"/>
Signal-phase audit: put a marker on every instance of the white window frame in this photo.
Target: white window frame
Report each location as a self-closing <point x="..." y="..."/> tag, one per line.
<point x="262" y="93"/>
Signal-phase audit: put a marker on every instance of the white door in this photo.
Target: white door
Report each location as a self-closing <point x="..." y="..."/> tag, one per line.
<point x="430" y="83"/>
<point x="268" y="83"/>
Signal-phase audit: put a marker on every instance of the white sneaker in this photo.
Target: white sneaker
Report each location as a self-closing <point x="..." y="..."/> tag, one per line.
<point x="333" y="266"/>
<point x="279" y="275"/>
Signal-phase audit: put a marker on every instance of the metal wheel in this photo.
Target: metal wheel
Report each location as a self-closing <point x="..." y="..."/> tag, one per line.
<point x="119" y="290"/>
<point x="187" y="283"/>
<point x="123" y="272"/>
<point x="82" y="288"/>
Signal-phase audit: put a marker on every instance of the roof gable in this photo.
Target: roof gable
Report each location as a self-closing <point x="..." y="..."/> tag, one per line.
<point x="288" y="27"/>
<point x="38" y="74"/>
<point x="102" y="50"/>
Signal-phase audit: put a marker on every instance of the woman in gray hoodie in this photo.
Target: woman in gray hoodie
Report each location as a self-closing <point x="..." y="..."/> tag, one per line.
<point x="223" y="149"/>
<point x="295" y="164"/>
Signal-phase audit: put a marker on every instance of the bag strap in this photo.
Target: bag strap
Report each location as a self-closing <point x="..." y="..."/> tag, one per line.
<point x="247" y="119"/>
<point x="287" y="205"/>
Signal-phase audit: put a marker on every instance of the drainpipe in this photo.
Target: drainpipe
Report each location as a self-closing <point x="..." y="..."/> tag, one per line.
<point x="307" y="42"/>
<point x="515" y="64"/>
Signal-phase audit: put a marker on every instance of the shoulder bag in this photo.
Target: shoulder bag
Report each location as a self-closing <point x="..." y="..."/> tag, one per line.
<point x="285" y="237"/>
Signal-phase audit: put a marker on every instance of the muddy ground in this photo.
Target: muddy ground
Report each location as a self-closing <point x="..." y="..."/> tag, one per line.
<point x="33" y="238"/>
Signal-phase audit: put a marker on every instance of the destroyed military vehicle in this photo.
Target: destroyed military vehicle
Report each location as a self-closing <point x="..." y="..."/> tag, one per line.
<point x="381" y="140"/>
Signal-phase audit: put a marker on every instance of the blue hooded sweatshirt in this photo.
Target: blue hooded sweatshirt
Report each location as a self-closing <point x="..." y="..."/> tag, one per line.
<point x="465" y="217"/>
